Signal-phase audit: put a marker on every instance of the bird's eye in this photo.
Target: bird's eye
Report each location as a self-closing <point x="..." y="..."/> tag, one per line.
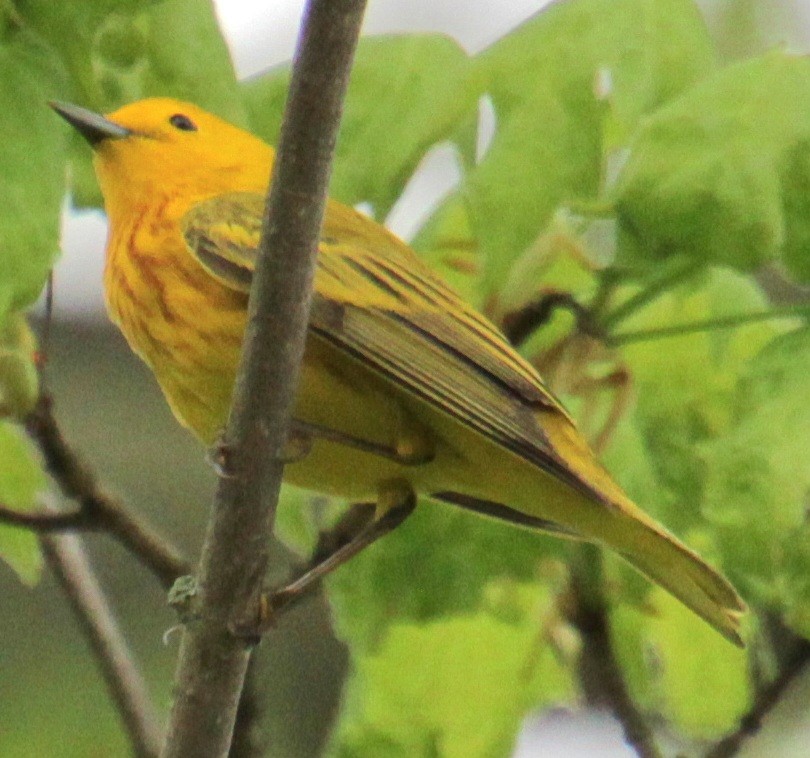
<point x="184" y="123"/>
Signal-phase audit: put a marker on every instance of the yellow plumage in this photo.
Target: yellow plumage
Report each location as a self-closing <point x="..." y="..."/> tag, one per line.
<point x="394" y="358"/>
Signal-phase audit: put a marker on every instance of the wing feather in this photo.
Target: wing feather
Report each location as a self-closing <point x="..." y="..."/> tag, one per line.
<point x="375" y="300"/>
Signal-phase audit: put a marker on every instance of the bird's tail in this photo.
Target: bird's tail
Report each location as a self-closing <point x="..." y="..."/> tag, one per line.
<point x="647" y="547"/>
<point x="682" y="572"/>
<point x="613" y="519"/>
<point x="580" y="500"/>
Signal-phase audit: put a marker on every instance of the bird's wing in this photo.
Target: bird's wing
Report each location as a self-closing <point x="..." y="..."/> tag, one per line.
<point x="376" y="301"/>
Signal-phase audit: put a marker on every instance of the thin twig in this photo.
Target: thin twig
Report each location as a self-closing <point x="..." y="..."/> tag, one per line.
<point x="600" y="674"/>
<point x="150" y="547"/>
<point x="213" y="659"/>
<point x="765" y="700"/>
<point x="46" y="521"/>
<point x="98" y="511"/>
<point x="676" y="272"/>
<point x="609" y="280"/>
<point x="709" y="324"/>
<point x="519" y="325"/>
<point x="69" y="564"/>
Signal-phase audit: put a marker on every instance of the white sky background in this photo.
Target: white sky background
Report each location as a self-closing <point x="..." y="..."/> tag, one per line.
<point x="262" y="34"/>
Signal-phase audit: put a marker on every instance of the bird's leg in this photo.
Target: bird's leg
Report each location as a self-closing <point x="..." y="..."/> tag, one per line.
<point x="358" y="529"/>
<point x="356" y="518"/>
<point x="411" y="449"/>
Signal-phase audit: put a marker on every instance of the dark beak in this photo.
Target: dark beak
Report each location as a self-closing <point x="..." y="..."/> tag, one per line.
<point x="93" y="127"/>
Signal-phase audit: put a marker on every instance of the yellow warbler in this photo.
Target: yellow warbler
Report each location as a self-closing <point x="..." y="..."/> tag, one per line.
<point x="404" y="388"/>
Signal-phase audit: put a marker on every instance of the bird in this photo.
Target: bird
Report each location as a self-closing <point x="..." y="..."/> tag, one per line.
<point x="405" y="390"/>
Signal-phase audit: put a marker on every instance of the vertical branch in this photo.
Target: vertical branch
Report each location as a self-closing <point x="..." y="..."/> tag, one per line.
<point x="213" y="660"/>
<point x="600" y="674"/>
<point x="68" y="562"/>
<point x="249" y="739"/>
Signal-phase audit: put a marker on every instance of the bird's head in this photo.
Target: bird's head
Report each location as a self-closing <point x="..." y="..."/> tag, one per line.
<point x="161" y="145"/>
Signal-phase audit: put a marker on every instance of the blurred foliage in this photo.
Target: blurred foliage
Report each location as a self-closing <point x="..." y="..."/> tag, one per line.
<point x="406" y="94"/>
<point x="110" y="52"/>
<point x="721" y="173"/>
<point x="21" y="478"/>
<point x="43" y="654"/>
<point x="666" y="630"/>
<point x="577" y="78"/>
<point x="32" y="181"/>
<point x="626" y="167"/>
<point x="481" y="713"/>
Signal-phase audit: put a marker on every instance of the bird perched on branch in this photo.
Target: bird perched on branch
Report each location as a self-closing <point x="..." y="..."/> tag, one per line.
<point x="405" y="389"/>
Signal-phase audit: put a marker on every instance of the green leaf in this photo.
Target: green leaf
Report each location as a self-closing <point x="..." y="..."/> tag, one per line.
<point x="795" y="194"/>
<point x="123" y="50"/>
<point x="680" y="667"/>
<point x="685" y="384"/>
<point x="550" y="142"/>
<point x="407" y="93"/>
<point x="695" y="659"/>
<point x="437" y="562"/>
<point x="21" y="479"/>
<point x="629" y="459"/>
<point x="32" y="179"/>
<point x="193" y="65"/>
<point x="264" y="96"/>
<point x="19" y="381"/>
<point x="721" y="174"/>
<point x="759" y="477"/>
<point x="456" y="686"/>
<point x="76" y="33"/>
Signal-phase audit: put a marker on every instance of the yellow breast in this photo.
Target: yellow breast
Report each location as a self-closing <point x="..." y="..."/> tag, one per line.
<point x="183" y="323"/>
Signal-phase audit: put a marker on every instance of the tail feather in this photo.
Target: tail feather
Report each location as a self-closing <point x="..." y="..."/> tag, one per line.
<point x="685" y="575"/>
<point x="647" y="547"/>
<point x="616" y="521"/>
<point x="594" y="508"/>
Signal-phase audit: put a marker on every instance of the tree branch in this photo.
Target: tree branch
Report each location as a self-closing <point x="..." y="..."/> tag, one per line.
<point x="97" y="511"/>
<point x="600" y="674"/>
<point x="66" y="557"/>
<point x="519" y="325"/>
<point x="599" y="671"/>
<point x="795" y="660"/>
<point x="44" y="522"/>
<point x="213" y="659"/>
<point x="128" y="690"/>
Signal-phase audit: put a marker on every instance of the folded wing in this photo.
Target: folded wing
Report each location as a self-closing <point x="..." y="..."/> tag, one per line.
<point x="375" y="300"/>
